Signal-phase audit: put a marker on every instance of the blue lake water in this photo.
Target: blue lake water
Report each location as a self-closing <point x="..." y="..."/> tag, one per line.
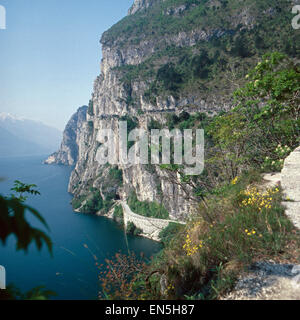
<point x="71" y="272"/>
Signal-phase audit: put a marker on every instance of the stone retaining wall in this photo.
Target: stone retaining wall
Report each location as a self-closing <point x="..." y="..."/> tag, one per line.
<point x="151" y="227"/>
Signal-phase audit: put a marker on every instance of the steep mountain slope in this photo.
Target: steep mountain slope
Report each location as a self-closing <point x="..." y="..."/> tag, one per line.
<point x="68" y="152"/>
<point x="168" y="60"/>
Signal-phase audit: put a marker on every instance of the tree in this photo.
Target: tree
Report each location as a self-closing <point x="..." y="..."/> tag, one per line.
<point x="168" y="75"/>
<point x="267" y="115"/>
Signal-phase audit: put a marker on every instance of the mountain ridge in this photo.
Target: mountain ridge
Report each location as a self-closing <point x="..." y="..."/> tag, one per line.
<point x="21" y="136"/>
<point x="68" y="152"/>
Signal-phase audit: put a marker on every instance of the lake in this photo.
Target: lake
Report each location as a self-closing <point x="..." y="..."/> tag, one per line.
<point x="71" y="272"/>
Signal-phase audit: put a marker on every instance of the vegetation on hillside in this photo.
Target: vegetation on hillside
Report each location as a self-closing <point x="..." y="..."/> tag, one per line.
<point x="238" y="220"/>
<point x="118" y="214"/>
<point x="158" y="21"/>
<point x="93" y="201"/>
<point x="133" y="229"/>
<point x="147" y="208"/>
<point x="214" y="65"/>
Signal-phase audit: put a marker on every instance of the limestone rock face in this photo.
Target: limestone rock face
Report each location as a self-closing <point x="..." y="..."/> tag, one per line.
<point x="268" y="280"/>
<point x="68" y="152"/>
<point x="290" y="182"/>
<point x="140" y="5"/>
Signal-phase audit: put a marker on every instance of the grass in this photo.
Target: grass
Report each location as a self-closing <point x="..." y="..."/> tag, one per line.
<point x="237" y="227"/>
<point x="241" y="223"/>
<point x="169" y="232"/>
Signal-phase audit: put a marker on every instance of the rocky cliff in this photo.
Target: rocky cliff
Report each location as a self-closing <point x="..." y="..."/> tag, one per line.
<point x="140" y="5"/>
<point x="165" y="58"/>
<point x="68" y="152"/>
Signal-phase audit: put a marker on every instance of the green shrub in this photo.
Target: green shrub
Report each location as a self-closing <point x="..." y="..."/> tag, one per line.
<point x="91" y="108"/>
<point x="203" y="69"/>
<point x="252" y="134"/>
<point x="115" y="175"/>
<point x="77" y="201"/>
<point x="154" y="124"/>
<point x="118" y="214"/>
<point x="172" y="230"/>
<point x="90" y="125"/>
<point x="147" y="209"/>
<point x="132" y="122"/>
<point x="92" y="202"/>
<point x="132" y="229"/>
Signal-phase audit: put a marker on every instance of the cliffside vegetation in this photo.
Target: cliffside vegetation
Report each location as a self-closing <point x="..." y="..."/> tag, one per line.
<point x="206" y="46"/>
<point x="133" y="229"/>
<point x="93" y="201"/>
<point x="147" y="209"/>
<point x="118" y="214"/>
<point x="238" y="220"/>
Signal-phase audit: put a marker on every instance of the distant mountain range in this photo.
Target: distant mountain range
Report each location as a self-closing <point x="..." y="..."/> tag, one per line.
<point x="22" y="137"/>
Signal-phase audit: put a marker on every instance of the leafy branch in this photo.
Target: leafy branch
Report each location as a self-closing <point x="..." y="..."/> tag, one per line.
<point x="13" y="221"/>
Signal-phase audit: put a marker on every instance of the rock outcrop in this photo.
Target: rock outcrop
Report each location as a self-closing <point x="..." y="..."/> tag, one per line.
<point x="289" y="179"/>
<point x="268" y="281"/>
<point x="290" y="182"/>
<point x="68" y="152"/>
<point x="140" y="5"/>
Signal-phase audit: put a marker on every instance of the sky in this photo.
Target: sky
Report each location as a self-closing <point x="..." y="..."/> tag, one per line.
<point x="50" y="55"/>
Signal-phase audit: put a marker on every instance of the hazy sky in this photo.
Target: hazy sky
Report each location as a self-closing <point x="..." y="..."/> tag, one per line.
<point x="50" y="55"/>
